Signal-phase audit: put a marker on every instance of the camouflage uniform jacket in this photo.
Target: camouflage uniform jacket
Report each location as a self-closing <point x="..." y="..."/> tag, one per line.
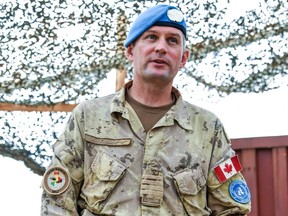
<point x="115" y="168"/>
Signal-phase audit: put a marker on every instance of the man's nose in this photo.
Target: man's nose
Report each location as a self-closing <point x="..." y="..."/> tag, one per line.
<point x="161" y="46"/>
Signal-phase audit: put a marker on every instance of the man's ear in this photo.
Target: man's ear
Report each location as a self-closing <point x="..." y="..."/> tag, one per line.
<point x="185" y="57"/>
<point x="129" y="53"/>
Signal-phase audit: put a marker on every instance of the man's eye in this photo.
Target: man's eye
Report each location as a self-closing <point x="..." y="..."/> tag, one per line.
<point x="152" y="37"/>
<point x="173" y="40"/>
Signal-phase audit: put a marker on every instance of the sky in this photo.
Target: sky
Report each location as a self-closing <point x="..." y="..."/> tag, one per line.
<point x="243" y="115"/>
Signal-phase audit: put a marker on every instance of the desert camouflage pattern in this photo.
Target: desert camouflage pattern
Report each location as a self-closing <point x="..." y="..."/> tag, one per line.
<point x="116" y="168"/>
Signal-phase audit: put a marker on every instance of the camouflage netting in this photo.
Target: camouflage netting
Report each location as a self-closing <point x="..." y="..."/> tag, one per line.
<point x="58" y="51"/>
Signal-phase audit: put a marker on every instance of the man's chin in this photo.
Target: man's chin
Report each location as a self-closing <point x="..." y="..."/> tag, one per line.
<point x="159" y="76"/>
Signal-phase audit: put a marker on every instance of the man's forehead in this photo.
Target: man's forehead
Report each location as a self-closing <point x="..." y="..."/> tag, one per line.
<point x="163" y="30"/>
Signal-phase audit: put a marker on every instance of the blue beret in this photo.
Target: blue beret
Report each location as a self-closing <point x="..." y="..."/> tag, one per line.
<point x="160" y="15"/>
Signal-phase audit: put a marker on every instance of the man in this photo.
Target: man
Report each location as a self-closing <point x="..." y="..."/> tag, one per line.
<point x="144" y="150"/>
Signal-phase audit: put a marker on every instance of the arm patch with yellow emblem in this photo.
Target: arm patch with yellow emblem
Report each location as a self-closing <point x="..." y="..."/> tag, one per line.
<point x="56" y="181"/>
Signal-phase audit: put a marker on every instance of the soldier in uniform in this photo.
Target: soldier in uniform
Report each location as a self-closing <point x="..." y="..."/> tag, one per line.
<point x="144" y="150"/>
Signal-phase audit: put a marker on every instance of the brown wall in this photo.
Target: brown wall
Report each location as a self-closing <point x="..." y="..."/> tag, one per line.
<point x="265" y="167"/>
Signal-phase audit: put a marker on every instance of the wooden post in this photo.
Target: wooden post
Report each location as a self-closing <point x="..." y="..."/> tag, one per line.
<point x="41" y="108"/>
<point x="120" y="78"/>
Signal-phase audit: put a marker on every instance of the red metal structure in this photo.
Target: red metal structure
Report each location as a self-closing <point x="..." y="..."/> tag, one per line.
<point x="265" y="167"/>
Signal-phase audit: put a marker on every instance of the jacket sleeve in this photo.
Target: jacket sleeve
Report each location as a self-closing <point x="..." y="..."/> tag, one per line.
<point x="230" y="196"/>
<point x="64" y="176"/>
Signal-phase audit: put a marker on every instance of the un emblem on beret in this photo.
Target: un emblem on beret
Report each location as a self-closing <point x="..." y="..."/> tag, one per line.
<point x="175" y="15"/>
<point x="56" y="181"/>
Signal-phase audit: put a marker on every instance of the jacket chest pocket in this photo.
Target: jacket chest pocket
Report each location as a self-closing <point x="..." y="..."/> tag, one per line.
<point x="105" y="173"/>
<point x="190" y="184"/>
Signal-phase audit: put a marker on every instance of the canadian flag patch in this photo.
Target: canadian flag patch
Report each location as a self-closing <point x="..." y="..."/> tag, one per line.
<point x="228" y="168"/>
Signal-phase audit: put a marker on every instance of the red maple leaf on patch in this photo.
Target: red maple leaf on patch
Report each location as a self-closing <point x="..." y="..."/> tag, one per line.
<point x="228" y="168"/>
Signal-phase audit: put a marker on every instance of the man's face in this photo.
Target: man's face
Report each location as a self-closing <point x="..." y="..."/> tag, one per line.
<point x="158" y="54"/>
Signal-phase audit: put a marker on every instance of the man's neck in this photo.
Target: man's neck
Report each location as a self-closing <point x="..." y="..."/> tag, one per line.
<point x="151" y="95"/>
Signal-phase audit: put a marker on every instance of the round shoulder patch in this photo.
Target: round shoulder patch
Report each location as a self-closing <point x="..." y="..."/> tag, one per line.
<point x="56" y="181"/>
<point x="239" y="191"/>
<point x="175" y="15"/>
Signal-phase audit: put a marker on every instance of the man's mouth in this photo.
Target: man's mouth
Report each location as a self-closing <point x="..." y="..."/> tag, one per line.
<point x="159" y="61"/>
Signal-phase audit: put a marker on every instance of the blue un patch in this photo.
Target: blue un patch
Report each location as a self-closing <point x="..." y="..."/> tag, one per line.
<point x="239" y="191"/>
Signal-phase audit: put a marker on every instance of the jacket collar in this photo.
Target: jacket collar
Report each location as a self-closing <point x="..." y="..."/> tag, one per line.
<point x="180" y="112"/>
